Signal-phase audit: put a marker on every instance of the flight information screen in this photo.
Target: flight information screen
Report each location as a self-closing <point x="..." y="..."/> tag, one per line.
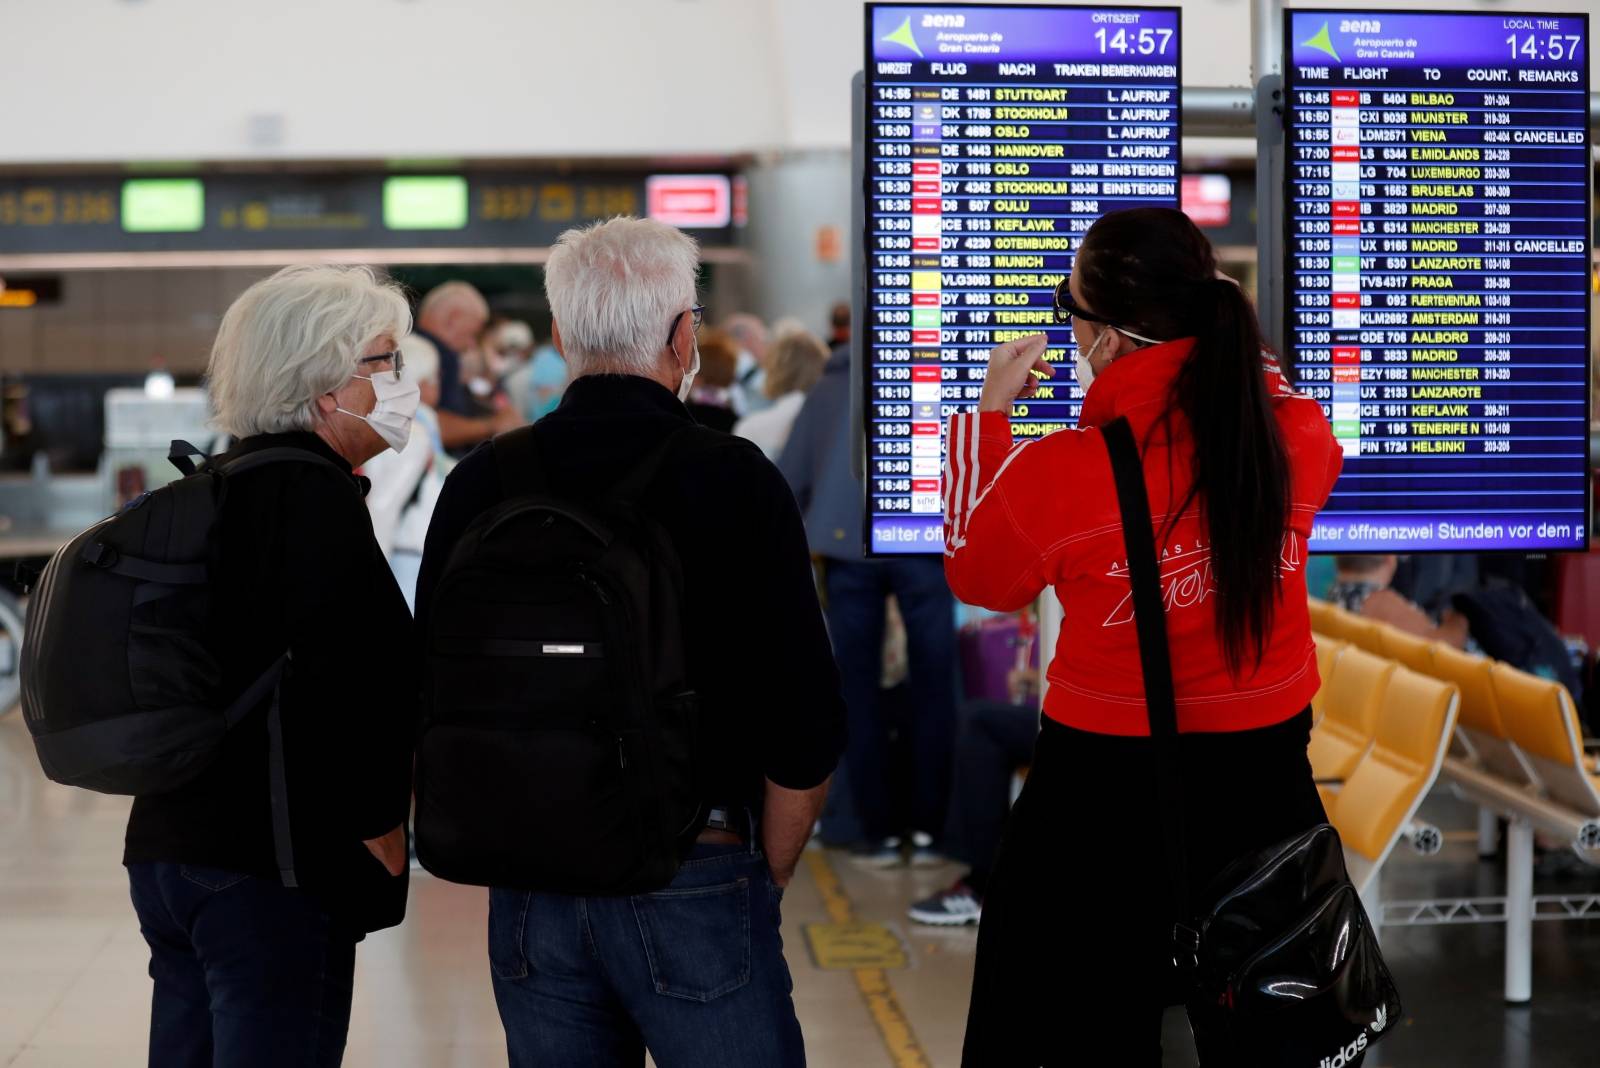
<point x="995" y="136"/>
<point x="1438" y="265"/>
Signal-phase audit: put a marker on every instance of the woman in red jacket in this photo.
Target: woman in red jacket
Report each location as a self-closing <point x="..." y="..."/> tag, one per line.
<point x="1074" y="958"/>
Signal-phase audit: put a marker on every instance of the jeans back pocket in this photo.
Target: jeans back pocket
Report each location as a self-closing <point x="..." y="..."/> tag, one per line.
<point x="697" y="939"/>
<point x="213" y="879"/>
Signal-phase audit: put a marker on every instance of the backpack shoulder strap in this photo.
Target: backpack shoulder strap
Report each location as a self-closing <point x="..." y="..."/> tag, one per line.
<point x="181" y="455"/>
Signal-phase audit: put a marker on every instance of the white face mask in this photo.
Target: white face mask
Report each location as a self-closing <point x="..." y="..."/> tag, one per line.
<point x="1086" y="369"/>
<point x="688" y="376"/>
<point x="392" y="416"/>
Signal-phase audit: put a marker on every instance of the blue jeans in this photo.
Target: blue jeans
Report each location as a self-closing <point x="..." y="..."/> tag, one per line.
<point x="248" y="973"/>
<point x="856" y="594"/>
<point x="694" y="972"/>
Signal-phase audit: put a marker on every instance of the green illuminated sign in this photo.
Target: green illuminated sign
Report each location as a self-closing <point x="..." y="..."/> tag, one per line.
<point x="425" y="203"/>
<point x="163" y="205"/>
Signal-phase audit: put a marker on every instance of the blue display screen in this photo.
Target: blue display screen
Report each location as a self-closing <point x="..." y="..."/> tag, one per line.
<point x="994" y="137"/>
<point x="1438" y="202"/>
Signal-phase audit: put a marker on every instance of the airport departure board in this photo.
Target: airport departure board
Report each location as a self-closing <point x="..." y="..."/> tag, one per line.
<point x="994" y="137"/>
<point x="1438" y="201"/>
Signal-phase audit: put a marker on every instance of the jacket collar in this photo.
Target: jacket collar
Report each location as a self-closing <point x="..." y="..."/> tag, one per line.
<point x="620" y="395"/>
<point x="1143" y="376"/>
<point x="300" y="439"/>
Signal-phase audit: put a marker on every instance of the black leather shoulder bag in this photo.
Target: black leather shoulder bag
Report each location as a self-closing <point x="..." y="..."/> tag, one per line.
<point x="1279" y="965"/>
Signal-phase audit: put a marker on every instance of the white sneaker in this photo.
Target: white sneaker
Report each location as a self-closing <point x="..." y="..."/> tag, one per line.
<point x="884" y="854"/>
<point x="923" y="852"/>
<point x="956" y="907"/>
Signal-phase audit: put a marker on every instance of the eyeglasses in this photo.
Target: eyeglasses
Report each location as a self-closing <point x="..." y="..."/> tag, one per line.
<point x="699" y="313"/>
<point x="396" y="357"/>
<point x="1066" y="307"/>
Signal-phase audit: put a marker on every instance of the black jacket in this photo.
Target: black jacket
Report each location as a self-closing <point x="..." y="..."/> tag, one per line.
<point x="296" y="567"/>
<point x="757" y="651"/>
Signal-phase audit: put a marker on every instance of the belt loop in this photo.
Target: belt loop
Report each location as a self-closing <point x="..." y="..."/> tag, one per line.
<point x="750" y="821"/>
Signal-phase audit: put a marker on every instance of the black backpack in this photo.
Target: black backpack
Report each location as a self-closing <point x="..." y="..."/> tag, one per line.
<point x="120" y="689"/>
<point x="557" y="750"/>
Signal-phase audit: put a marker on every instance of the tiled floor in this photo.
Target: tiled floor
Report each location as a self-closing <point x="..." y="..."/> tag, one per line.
<point x="73" y="992"/>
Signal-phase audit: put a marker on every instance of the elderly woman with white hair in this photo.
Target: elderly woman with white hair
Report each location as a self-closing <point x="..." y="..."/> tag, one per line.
<point x="254" y="882"/>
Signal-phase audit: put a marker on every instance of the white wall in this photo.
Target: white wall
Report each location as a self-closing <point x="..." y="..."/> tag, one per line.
<point x="791" y="201"/>
<point x="121" y="80"/>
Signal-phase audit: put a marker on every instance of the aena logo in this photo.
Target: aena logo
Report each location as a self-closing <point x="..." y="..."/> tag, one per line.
<point x="1346" y="1055"/>
<point x="904" y="37"/>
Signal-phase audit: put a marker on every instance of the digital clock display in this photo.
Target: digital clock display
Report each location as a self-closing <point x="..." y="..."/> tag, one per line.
<point x="1438" y="231"/>
<point x="995" y="137"/>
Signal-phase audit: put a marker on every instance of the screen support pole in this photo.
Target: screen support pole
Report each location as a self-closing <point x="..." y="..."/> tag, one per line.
<point x="1218" y="112"/>
<point x="1266" y="31"/>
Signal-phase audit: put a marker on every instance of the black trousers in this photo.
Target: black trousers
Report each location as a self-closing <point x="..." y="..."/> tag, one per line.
<point x="1074" y="952"/>
<point x="995" y="740"/>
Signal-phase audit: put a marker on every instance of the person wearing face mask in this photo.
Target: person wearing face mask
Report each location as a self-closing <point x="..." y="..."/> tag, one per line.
<point x="582" y="979"/>
<point x="253" y="922"/>
<point x="1235" y="465"/>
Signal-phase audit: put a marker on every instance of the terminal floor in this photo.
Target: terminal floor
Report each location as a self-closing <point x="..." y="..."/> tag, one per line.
<point x="74" y="994"/>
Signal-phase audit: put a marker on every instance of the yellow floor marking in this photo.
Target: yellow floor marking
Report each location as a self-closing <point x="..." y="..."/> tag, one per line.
<point x="843" y="947"/>
<point x="873" y="982"/>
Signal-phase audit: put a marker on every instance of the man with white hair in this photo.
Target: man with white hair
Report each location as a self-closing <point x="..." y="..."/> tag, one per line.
<point x="693" y="972"/>
<point x="450" y="317"/>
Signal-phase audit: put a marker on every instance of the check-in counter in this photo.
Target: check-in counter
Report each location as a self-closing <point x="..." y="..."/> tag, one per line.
<point x="39" y="514"/>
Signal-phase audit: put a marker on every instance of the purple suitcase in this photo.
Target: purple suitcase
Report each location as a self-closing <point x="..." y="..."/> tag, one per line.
<point x="990" y="649"/>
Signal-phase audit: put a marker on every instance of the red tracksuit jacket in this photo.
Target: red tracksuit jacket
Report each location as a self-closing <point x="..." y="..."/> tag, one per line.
<point x="1019" y="519"/>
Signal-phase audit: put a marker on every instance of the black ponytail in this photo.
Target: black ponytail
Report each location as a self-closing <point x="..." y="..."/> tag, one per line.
<point x="1152" y="271"/>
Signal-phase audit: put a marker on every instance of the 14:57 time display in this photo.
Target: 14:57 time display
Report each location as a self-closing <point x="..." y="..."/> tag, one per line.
<point x="1554" y="47"/>
<point x="1146" y="42"/>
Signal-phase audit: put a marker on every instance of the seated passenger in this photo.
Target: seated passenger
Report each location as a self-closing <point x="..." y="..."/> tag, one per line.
<point x="1362" y="585"/>
<point x="590" y="987"/>
<point x="795" y="365"/>
<point x="1076" y="936"/>
<point x="253" y="918"/>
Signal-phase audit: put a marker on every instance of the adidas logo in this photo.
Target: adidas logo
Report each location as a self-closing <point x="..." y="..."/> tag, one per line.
<point x="1381" y="1021"/>
<point x="1346" y="1055"/>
